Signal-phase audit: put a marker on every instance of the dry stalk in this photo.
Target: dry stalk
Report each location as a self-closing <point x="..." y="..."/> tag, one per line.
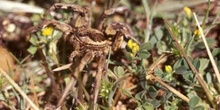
<point x="198" y="75"/>
<point x="161" y="59"/>
<point x="208" y="50"/>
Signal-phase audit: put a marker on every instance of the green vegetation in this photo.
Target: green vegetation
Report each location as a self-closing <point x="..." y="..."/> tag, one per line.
<point x="171" y="62"/>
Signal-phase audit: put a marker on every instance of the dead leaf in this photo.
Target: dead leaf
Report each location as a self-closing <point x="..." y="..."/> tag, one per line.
<point x="7" y="61"/>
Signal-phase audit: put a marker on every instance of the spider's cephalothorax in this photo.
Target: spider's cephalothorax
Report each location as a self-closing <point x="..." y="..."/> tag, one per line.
<point x="88" y="42"/>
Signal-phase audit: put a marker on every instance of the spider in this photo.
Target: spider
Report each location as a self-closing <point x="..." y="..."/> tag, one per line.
<point x="88" y="43"/>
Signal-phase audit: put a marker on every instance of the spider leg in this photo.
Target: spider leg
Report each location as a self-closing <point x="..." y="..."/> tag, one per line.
<point x="117" y="41"/>
<point x="85" y="60"/>
<point x="63" y="27"/>
<point x="72" y="55"/>
<point x="101" y="68"/>
<point x="120" y="33"/>
<point x="110" y="12"/>
<point x="112" y="28"/>
<point x="73" y="7"/>
<point x="60" y="26"/>
<point x="83" y="21"/>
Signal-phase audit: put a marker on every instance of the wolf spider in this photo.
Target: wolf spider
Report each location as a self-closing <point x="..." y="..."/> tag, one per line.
<point x="88" y="42"/>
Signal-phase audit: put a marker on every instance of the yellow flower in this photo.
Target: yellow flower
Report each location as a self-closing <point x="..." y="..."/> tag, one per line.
<point x="188" y="12"/>
<point x="130" y="42"/>
<point x="133" y="46"/>
<point x="168" y="69"/>
<point x="197" y="33"/>
<point x="131" y="54"/>
<point x="47" y="31"/>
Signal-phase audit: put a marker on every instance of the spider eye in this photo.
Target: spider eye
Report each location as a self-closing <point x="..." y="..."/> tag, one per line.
<point x="82" y="14"/>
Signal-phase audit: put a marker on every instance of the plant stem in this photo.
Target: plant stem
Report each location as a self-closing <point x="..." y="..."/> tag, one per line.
<point x="199" y="77"/>
<point x="208" y="50"/>
<point x="161" y="59"/>
<point x="170" y="88"/>
<point x="49" y="73"/>
<point x="206" y="15"/>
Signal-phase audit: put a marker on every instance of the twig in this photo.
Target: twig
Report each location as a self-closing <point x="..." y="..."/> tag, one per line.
<point x="18" y="89"/>
<point x="148" y="20"/>
<point x="81" y="64"/>
<point x="199" y="77"/>
<point x="161" y="59"/>
<point x="49" y="73"/>
<point x="208" y="50"/>
<point x="66" y="91"/>
<point x="170" y="88"/>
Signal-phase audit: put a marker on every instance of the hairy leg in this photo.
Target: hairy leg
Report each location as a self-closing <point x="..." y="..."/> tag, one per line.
<point x="85" y="60"/>
<point x="63" y="27"/>
<point x="73" y="7"/>
<point x="101" y="68"/>
<point x="108" y="13"/>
